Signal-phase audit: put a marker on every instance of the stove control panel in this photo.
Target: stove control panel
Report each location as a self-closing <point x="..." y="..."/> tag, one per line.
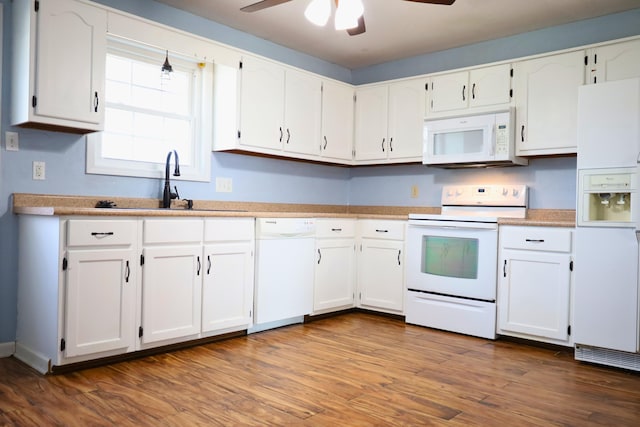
<point x="485" y="195"/>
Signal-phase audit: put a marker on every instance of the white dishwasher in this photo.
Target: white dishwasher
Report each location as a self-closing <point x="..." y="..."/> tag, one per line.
<point x="284" y="271"/>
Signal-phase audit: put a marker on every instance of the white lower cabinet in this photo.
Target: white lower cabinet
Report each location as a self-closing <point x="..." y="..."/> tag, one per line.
<point x="381" y="265"/>
<point x="106" y="286"/>
<point x="227" y="287"/>
<point x="77" y="283"/>
<point x="335" y="270"/>
<point x="100" y="286"/>
<point x="534" y="285"/>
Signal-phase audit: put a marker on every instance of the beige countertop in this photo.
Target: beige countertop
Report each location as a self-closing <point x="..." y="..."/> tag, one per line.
<point x="38" y="204"/>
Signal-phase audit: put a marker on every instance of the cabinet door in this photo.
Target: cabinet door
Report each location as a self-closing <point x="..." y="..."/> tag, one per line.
<point x="380" y="274"/>
<point x="227" y="289"/>
<point x="406" y="119"/>
<point x="450" y="92"/>
<point x="100" y="301"/>
<point x="371" y="123"/>
<point x="71" y="56"/>
<point x="334" y="274"/>
<point x="171" y="292"/>
<point x="490" y="86"/>
<point x="302" y="113"/>
<point x="614" y="62"/>
<point x="546" y="92"/>
<point x="261" y="104"/>
<point x="534" y="290"/>
<point x="337" y="121"/>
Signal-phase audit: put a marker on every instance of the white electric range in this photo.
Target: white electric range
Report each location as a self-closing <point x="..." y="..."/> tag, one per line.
<point x="452" y="258"/>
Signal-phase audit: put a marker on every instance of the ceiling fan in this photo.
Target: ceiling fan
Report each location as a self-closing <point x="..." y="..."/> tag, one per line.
<point x="353" y="27"/>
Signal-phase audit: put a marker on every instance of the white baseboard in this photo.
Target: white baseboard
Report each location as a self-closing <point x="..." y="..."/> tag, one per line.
<point x="36" y="360"/>
<point x="7" y="348"/>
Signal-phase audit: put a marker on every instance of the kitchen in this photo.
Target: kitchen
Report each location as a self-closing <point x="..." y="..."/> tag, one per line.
<point x="257" y="179"/>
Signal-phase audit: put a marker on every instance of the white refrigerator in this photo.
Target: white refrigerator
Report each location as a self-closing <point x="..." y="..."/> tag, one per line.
<point x="606" y="298"/>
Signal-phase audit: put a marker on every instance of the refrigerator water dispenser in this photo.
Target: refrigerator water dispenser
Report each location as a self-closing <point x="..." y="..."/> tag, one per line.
<point x="607" y="197"/>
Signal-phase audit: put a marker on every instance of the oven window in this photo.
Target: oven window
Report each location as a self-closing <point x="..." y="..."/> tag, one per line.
<point x="450" y="256"/>
<point x="461" y="142"/>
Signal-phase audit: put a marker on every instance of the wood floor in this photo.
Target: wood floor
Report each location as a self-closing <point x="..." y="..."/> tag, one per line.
<point x="356" y="369"/>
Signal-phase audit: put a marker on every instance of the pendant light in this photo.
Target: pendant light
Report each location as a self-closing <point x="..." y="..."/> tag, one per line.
<point x="167" y="69"/>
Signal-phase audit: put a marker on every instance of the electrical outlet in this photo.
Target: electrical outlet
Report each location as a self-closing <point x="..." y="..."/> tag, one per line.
<point x="415" y="191"/>
<point x="224" y="185"/>
<point x="39" y="171"/>
<point x="11" y="141"/>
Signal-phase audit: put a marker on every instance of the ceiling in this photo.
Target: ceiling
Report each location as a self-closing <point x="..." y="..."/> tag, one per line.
<point x="399" y="29"/>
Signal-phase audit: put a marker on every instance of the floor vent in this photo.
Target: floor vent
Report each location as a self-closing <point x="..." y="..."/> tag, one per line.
<point x="604" y="356"/>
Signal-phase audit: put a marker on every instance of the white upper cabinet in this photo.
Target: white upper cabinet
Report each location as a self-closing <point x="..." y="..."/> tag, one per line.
<point x="371" y="123"/>
<point x="337" y="122"/>
<point x="464" y="91"/>
<point x="261" y="104"/>
<point x="450" y="92"/>
<point x="59" y="54"/>
<point x="490" y="86"/>
<point x="302" y="112"/>
<point x="546" y="96"/>
<point x="389" y="121"/>
<point x="280" y="108"/>
<point x="613" y="62"/>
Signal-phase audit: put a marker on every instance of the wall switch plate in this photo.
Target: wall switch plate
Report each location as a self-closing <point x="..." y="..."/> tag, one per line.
<point x="224" y="185"/>
<point x="414" y="191"/>
<point x="11" y="141"/>
<point x="39" y="171"/>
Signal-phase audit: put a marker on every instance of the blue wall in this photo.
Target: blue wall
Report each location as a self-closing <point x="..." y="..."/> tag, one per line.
<point x="552" y="181"/>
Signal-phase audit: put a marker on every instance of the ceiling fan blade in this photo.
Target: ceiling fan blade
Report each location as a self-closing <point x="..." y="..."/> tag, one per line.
<point x="262" y="5"/>
<point x="444" y="2"/>
<point x="359" y="29"/>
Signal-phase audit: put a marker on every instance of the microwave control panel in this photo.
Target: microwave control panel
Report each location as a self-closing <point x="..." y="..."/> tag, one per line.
<point x="502" y="139"/>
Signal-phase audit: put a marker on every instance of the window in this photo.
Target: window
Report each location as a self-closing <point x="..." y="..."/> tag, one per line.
<point x="147" y="115"/>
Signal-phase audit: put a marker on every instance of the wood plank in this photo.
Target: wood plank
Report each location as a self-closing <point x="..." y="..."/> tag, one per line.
<point x="356" y="369"/>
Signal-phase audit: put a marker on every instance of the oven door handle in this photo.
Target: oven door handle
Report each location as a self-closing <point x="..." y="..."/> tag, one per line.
<point x="454" y="227"/>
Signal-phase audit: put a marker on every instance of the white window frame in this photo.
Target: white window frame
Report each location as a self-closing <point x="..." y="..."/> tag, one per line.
<point x="200" y="163"/>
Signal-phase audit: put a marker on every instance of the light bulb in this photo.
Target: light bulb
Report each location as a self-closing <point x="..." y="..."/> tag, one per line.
<point x="318" y="12"/>
<point x="348" y="13"/>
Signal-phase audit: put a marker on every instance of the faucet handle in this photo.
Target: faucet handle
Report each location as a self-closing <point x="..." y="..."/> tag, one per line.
<point x="175" y="195"/>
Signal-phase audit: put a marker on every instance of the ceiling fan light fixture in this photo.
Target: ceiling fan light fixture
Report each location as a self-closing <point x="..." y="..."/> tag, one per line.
<point x="348" y="13"/>
<point x="318" y="12"/>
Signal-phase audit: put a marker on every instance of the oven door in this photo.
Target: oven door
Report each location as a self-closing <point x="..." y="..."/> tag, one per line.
<point x="453" y="258"/>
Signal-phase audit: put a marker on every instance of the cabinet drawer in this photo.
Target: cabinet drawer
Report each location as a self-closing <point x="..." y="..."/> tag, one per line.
<point x="158" y="231"/>
<point x="536" y="238"/>
<point x="100" y="232"/>
<point x="226" y="230"/>
<point x="327" y="228"/>
<point x="375" y="229"/>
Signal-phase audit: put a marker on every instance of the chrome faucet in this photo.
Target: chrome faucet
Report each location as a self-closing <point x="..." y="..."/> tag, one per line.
<point x="168" y="195"/>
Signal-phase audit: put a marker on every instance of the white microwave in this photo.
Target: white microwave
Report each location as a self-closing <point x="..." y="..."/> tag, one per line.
<point x="471" y="141"/>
